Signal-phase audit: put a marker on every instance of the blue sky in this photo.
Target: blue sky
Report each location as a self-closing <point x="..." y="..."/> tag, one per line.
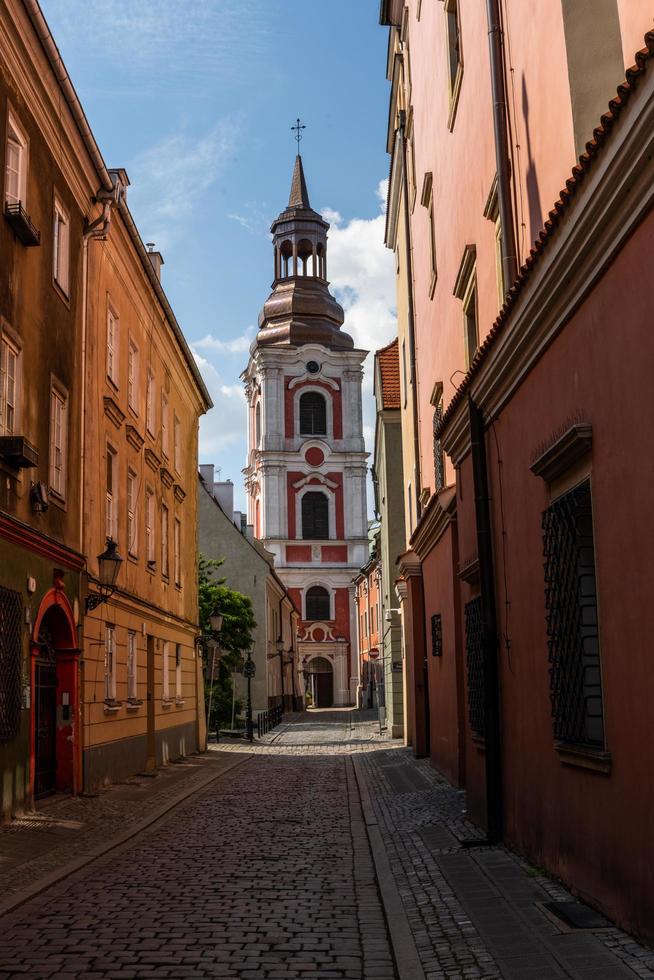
<point x="195" y="98"/>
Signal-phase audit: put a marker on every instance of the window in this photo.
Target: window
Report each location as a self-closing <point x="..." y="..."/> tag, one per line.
<point x="404" y="381"/>
<point x="427" y="200"/>
<point x="11" y="655"/>
<point x="177" y="444"/>
<point x="149" y="404"/>
<point x="165" y="693"/>
<point x="439" y="457"/>
<point x="492" y="212"/>
<point x="132" y="526"/>
<point x="465" y="289"/>
<point x="313" y="414"/>
<point x="8" y="386"/>
<point x="149" y="529"/>
<point x="454" y="55"/>
<point x="257" y="425"/>
<point x="133" y="377"/>
<point x="365" y="624"/>
<point x="132" y="686"/>
<point x="410" y="503"/>
<point x="112" y="346"/>
<point x="164" y="541"/>
<point x="475" y="666"/>
<point x="317" y="603"/>
<point x="164" y="425"/>
<point x="315" y="516"/>
<point x="58" y="433"/>
<point x="572" y="626"/>
<point x="178" y="672"/>
<point x="61" y="247"/>
<point x="177" y="544"/>
<point x="109" y="663"/>
<point x="111" y="511"/>
<point x="15" y="164"/>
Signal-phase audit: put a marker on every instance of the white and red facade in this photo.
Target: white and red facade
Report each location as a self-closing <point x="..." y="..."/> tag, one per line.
<point x="306" y="469"/>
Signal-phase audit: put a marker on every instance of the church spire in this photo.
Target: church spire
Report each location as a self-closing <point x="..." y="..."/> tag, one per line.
<point x="299" y="196"/>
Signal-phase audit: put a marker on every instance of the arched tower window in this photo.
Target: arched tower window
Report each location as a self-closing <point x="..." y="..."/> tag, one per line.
<point x="313" y="414"/>
<point x="315" y="516"/>
<point x="286" y="252"/>
<point x="320" y="258"/>
<point x="317" y="603"/>
<point x="304" y="254"/>
<point x="257" y="425"/>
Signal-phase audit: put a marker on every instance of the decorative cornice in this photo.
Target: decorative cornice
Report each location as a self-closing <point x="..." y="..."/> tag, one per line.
<point x="469" y="570"/>
<point x="27" y="537"/>
<point x="152" y="459"/>
<point x="409" y="564"/>
<point x="571" y="447"/>
<point x="465" y="269"/>
<point x="167" y="477"/>
<point x="436" y="518"/>
<point x="179" y="492"/>
<point x="113" y="411"/>
<point x="134" y="437"/>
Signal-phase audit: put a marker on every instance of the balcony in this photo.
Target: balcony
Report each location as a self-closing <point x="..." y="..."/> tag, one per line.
<point x="18" y="452"/>
<point x="21" y="224"/>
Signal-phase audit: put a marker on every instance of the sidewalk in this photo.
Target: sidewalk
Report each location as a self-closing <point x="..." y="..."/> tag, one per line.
<point x="64" y="833"/>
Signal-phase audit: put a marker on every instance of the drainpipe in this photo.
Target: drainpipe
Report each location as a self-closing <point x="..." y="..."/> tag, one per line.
<point x="281" y="652"/>
<point x="498" y="91"/>
<point x="412" y="336"/>
<point x="493" y="754"/>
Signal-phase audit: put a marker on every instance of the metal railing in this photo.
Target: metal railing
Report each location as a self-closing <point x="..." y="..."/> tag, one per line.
<point x="266" y="720"/>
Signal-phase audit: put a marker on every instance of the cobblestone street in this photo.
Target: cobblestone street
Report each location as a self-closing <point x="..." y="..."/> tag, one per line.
<point x="327" y="852"/>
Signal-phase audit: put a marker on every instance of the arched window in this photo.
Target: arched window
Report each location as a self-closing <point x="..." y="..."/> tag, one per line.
<point x="257" y="425"/>
<point x="315" y="516"/>
<point x="320" y="253"/>
<point x="304" y="253"/>
<point x="317" y="603"/>
<point x="286" y="252"/>
<point x="313" y="414"/>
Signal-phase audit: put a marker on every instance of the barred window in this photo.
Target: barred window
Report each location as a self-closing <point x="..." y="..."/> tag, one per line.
<point x="439" y="461"/>
<point x="313" y="414"/>
<point x="317" y="603"/>
<point x="315" y="516"/>
<point x="572" y="628"/>
<point x="475" y="663"/>
<point x="11" y="617"/>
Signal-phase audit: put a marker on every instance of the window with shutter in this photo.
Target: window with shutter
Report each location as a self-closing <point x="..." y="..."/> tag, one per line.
<point x="315" y="516"/>
<point x="313" y="414"/>
<point x="317" y="603"/>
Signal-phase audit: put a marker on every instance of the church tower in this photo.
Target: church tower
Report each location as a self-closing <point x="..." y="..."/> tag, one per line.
<point x="306" y="468"/>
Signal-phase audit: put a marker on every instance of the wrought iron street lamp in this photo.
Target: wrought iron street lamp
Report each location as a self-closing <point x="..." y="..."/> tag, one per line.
<point x="109" y="563"/>
<point x="209" y="641"/>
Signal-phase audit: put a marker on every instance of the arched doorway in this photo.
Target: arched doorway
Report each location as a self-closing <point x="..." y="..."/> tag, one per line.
<point x="55" y="728"/>
<point x="320" y="678"/>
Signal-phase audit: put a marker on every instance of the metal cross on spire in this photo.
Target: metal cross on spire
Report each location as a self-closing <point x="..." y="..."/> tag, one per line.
<point x="297" y="129"/>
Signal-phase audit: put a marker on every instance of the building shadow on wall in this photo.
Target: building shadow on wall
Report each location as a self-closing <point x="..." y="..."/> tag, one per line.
<point x="531" y="178"/>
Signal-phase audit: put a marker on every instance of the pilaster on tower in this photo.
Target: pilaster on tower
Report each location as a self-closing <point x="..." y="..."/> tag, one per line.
<point x="306" y="468"/>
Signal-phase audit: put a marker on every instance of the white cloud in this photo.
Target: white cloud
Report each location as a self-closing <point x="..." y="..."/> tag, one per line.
<point x="254" y="218"/>
<point x="236" y="345"/>
<point x="170" y="178"/>
<point x="225" y="424"/>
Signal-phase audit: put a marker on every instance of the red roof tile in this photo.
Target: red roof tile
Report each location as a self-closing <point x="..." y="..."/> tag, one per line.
<point x="579" y="171"/>
<point x="389" y="371"/>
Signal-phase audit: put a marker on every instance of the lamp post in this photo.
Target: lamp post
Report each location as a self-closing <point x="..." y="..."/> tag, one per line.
<point x="216" y="624"/>
<point x="109" y="563"/>
<point x="249" y="670"/>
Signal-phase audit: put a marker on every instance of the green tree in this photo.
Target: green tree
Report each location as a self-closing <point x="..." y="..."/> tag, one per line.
<point x="235" y="634"/>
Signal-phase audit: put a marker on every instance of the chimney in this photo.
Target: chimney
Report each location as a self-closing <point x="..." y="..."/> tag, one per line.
<point x="156" y="259"/>
<point x="206" y="472"/>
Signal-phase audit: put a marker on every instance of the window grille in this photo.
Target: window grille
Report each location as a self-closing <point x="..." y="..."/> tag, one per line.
<point x="11" y="617"/>
<point x="436" y="635"/>
<point x="317" y="603"/>
<point x="313" y="414"/>
<point x="439" y="461"/>
<point x="475" y="658"/>
<point x="571" y="614"/>
<point x="315" y="516"/>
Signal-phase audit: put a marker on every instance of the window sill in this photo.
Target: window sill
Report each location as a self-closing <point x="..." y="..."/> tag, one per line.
<point x="61" y="293"/>
<point x="167" y="702"/>
<point x="112" y="707"/>
<point x="133" y="704"/>
<point x="133" y="558"/>
<point x="179" y="702"/>
<point x="583" y="757"/>
<point x="57" y="499"/>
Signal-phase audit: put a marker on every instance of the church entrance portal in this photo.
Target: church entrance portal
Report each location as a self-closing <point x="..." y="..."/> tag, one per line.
<point x="320" y="677"/>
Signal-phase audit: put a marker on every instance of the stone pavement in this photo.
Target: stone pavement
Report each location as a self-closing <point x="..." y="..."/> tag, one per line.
<point x="327" y="852"/>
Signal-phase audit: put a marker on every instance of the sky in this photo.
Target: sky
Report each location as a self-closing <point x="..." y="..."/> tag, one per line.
<point x="195" y="99"/>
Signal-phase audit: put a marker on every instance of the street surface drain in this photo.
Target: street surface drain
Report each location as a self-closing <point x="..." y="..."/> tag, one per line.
<point x="575" y="915"/>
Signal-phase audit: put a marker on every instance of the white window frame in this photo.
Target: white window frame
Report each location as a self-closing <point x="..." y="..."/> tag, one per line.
<point x="149" y="403"/>
<point x="110" y="662"/>
<point x="178" y="672"/>
<point x="113" y="344"/>
<point x="132" y="513"/>
<point x="10" y="356"/>
<point x="329" y="411"/>
<point x="177" y="443"/>
<point x="61" y="247"/>
<point x="165" y="429"/>
<point x="22" y="142"/>
<point x="332" y="598"/>
<point x="58" y="456"/>
<point x="150" y="540"/>
<point x="177" y="552"/>
<point x="165" y="672"/>
<point x="165" y="558"/>
<point x="331" y="504"/>
<point x="132" y="666"/>
<point x="133" y="391"/>
<point x="111" y="493"/>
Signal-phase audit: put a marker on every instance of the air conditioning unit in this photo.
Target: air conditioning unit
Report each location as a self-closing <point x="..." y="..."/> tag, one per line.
<point x="39" y="497"/>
